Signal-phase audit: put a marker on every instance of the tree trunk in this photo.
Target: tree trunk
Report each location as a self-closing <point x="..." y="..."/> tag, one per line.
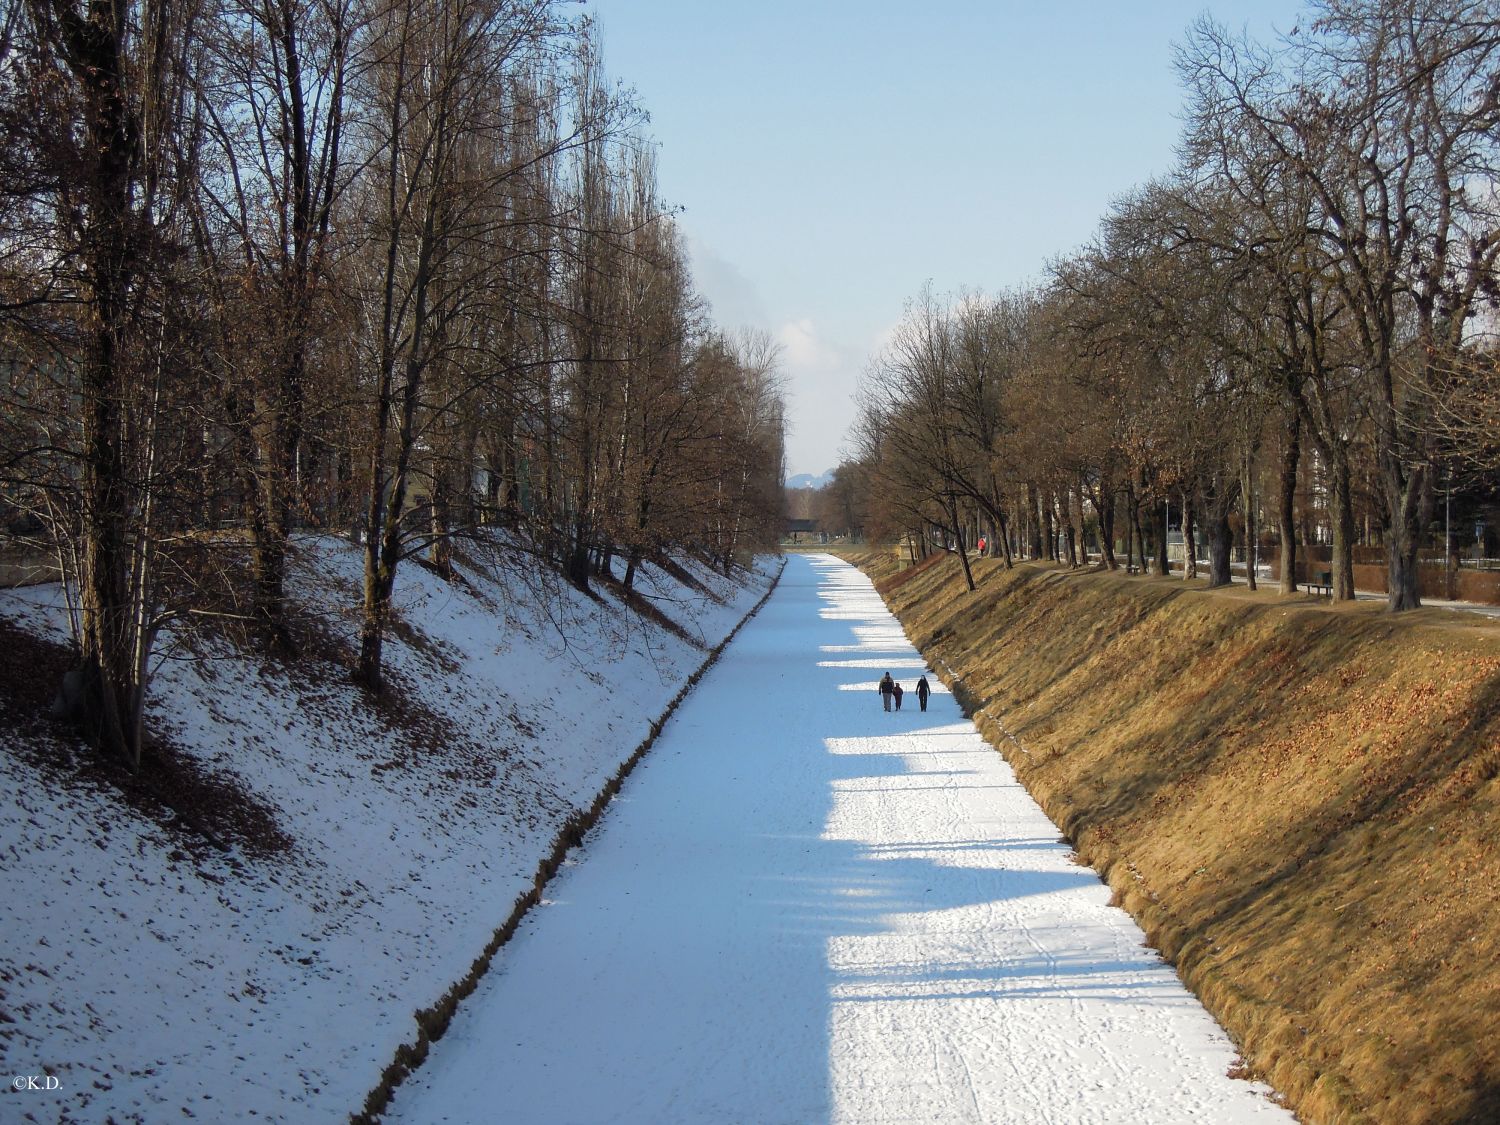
<point x="1140" y="535"/>
<point x="349" y="514"/>
<point x="383" y="552"/>
<point x="441" y="552"/>
<point x="1071" y="527"/>
<point x="376" y="582"/>
<point x="383" y="546"/>
<point x="1291" y="453"/>
<point x="1247" y="495"/>
<point x="1219" y="502"/>
<point x="1135" y="546"/>
<point x="642" y="522"/>
<point x="576" y="566"/>
<point x="1220" y="544"/>
<point x="1049" y="532"/>
<point x="1033" y="522"/>
<point x="1163" y="564"/>
<point x="1343" y="526"/>
<point x="956" y="524"/>
<point x="1189" y="539"/>
<point x="97" y="695"/>
<point x="1408" y="506"/>
<point x="1104" y="506"/>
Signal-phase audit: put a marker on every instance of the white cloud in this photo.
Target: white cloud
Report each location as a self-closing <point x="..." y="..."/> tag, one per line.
<point x="884" y="337"/>
<point x="804" y="350"/>
<point x="735" y="300"/>
<point x="821" y="372"/>
<point x="821" y="376"/>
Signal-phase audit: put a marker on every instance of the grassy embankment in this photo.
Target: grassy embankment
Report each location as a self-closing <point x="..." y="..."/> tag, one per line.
<point x="1298" y="802"/>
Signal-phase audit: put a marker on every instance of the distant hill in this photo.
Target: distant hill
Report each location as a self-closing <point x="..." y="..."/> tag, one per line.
<point x="807" y="480"/>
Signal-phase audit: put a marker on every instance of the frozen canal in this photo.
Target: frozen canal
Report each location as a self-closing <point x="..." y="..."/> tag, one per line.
<point x="801" y="909"/>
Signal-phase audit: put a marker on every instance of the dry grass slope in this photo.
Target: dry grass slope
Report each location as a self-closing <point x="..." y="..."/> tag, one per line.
<point x="1298" y="802"/>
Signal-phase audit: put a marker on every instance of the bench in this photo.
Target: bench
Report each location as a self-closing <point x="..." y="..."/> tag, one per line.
<point x="1324" y="583"/>
<point x="1131" y="568"/>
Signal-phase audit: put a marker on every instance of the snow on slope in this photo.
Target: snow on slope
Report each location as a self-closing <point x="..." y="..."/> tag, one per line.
<point x="803" y="909"/>
<point x="154" y="982"/>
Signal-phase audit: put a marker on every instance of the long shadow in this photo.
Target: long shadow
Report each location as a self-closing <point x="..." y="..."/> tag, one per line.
<point x="860" y="893"/>
<point x="864" y="889"/>
<point x="1024" y="844"/>
<point x="689" y="961"/>
<point x="1273" y="907"/>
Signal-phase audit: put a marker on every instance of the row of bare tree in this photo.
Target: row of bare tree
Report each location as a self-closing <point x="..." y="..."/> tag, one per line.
<point x="397" y="268"/>
<point x="1313" y="288"/>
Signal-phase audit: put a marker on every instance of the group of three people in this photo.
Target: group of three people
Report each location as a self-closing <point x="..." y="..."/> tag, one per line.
<point x="891" y="690"/>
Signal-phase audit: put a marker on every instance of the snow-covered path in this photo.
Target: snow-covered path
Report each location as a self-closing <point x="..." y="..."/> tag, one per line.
<point x="801" y="909"/>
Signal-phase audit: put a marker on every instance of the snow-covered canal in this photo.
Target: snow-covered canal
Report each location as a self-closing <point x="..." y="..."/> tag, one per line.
<point x="801" y="908"/>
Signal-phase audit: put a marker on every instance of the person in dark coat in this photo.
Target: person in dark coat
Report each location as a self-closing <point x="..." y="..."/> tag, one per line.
<point x="923" y="691"/>
<point x="887" y="686"/>
<point x="896" y="694"/>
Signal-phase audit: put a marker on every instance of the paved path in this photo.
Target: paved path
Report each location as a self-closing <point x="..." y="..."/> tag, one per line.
<point x="1269" y="581"/>
<point x="802" y="909"/>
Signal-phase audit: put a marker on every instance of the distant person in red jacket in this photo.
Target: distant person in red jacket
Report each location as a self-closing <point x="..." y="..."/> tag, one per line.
<point x="923" y="691"/>
<point x="887" y="687"/>
<point x="896" y="694"/>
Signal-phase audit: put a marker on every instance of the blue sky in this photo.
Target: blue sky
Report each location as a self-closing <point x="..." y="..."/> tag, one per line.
<point x="832" y="157"/>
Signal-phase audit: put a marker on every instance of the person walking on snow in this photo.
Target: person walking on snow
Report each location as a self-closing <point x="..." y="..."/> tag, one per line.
<point x="886" y="687"/>
<point x="923" y="691"/>
<point x="896" y="694"/>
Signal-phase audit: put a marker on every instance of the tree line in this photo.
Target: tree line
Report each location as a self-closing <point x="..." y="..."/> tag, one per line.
<point x="1300" y="317"/>
<point x="396" y="269"/>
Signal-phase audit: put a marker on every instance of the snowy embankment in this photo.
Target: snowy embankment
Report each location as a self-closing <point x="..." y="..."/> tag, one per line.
<point x="802" y="908"/>
<point x="153" y="976"/>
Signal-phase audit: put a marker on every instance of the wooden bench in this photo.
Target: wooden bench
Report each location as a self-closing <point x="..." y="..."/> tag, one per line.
<point x="1131" y="568"/>
<point x="1324" y="583"/>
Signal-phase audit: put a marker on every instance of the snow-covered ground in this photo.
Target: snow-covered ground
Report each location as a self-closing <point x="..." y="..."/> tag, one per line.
<point x="145" y="979"/>
<point x="802" y="909"/>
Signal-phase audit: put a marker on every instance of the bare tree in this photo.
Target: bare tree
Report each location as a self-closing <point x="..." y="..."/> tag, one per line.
<point x="275" y="92"/>
<point x="430" y="197"/>
<point x="911" y="428"/>
<point x="1384" y="123"/>
<point x="97" y="153"/>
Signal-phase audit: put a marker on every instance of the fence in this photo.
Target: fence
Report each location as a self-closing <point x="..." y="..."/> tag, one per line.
<point x="1434" y="580"/>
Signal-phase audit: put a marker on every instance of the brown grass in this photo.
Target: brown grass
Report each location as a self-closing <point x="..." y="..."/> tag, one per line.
<point x="1299" y="803"/>
<point x="198" y="807"/>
